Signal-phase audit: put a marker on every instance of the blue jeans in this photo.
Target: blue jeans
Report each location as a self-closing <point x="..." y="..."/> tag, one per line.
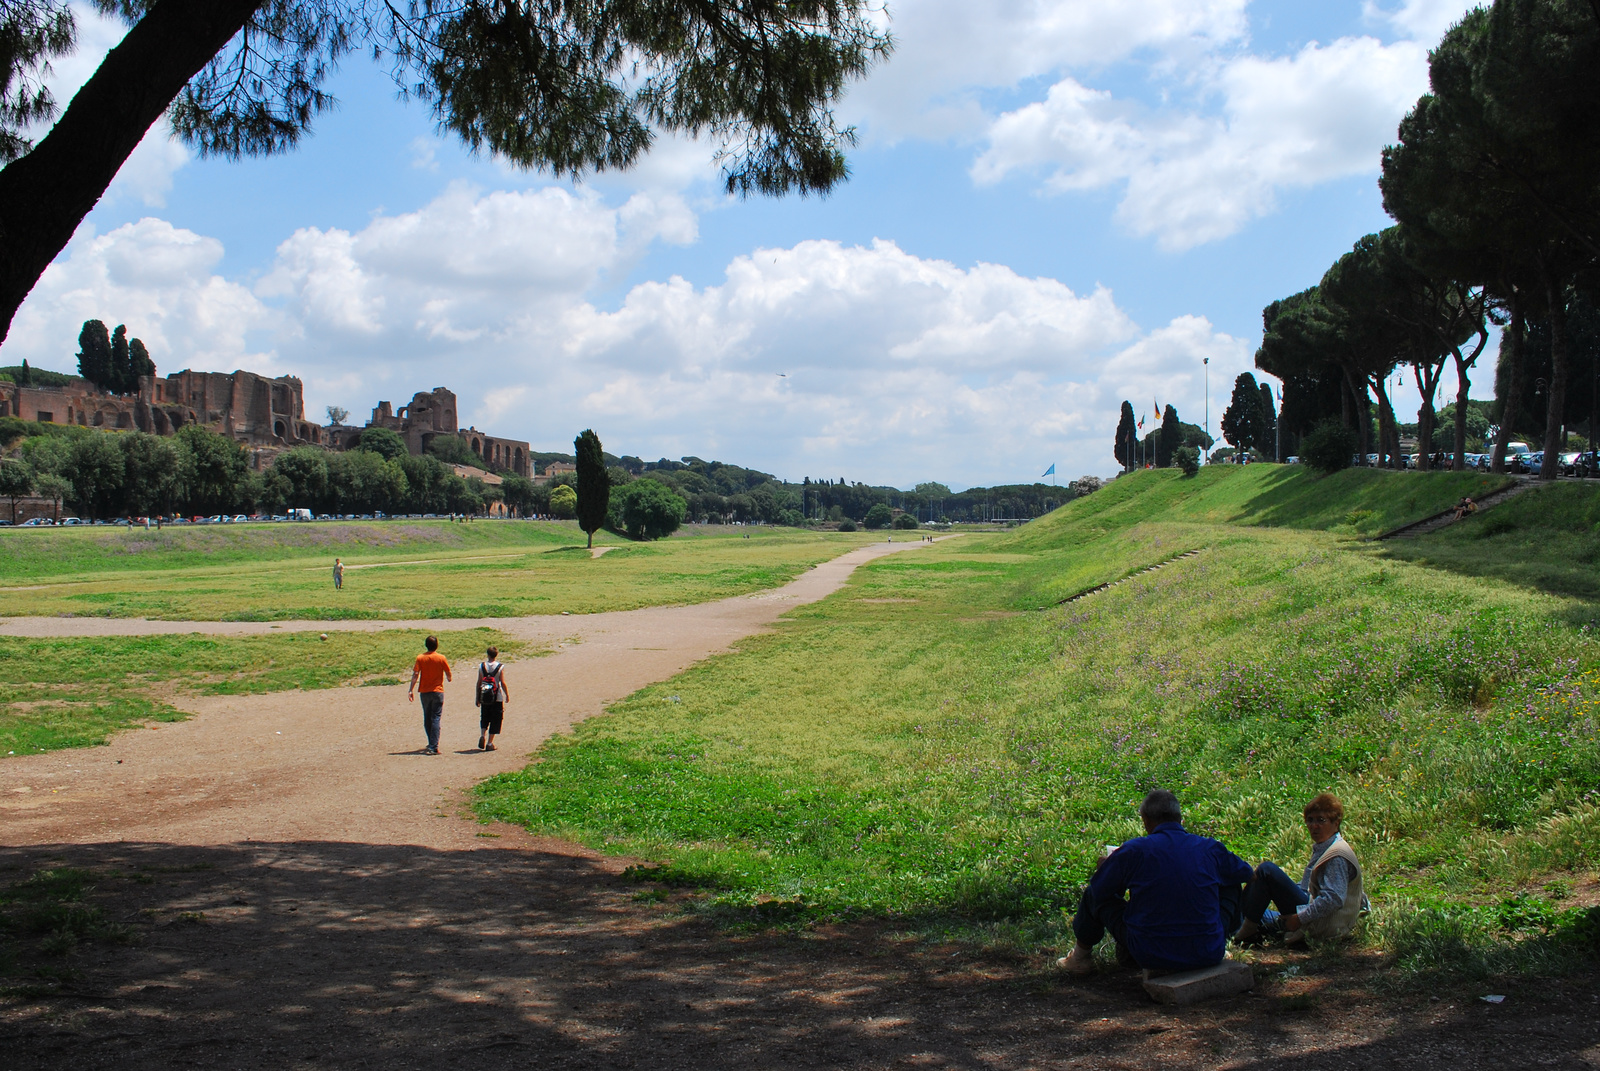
<point x="1272" y="885"/>
<point x="1089" y="926"/>
<point x="432" y="711"/>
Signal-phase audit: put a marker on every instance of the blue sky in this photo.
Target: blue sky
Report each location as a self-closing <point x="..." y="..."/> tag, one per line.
<point x="1054" y="206"/>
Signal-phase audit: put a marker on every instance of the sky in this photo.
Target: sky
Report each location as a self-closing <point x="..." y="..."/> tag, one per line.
<point x="1055" y="205"/>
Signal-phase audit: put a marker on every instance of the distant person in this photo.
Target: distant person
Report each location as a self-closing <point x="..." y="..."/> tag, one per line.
<point x="338" y="575"/>
<point x="491" y="699"/>
<point x="1464" y="507"/>
<point x="1169" y="899"/>
<point x="1327" y="900"/>
<point x="430" y="671"/>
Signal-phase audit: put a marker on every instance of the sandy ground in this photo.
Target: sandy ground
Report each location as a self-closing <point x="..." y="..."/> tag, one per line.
<point x="305" y="891"/>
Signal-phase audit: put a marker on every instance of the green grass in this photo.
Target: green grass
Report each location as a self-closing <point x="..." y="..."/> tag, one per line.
<point x="1543" y="540"/>
<point x="418" y="569"/>
<point x="76" y="692"/>
<point x="944" y="742"/>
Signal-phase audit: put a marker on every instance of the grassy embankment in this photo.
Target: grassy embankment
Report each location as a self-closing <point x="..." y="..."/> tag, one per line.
<point x="76" y="692"/>
<point x="946" y="743"/>
<point x="395" y="569"/>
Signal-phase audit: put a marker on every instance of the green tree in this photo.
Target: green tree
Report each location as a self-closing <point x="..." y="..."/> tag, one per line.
<point x="1126" y="447"/>
<point x="97" y="471"/>
<point x="518" y="494"/>
<point x="301" y="475"/>
<point x="879" y="516"/>
<point x="1329" y="446"/>
<point x="16" y="481"/>
<point x="152" y="473"/>
<point x="1269" y="417"/>
<point x="56" y="488"/>
<point x="121" y="362"/>
<point x="648" y="509"/>
<point x="139" y="364"/>
<point x="383" y="442"/>
<point x="1243" y="423"/>
<point x="905" y="521"/>
<point x="1168" y="438"/>
<point x="594" y="483"/>
<point x="94" y="354"/>
<point x="361" y="481"/>
<point x="216" y="469"/>
<point x="574" y="87"/>
<point x="427" y="481"/>
<point x="452" y="450"/>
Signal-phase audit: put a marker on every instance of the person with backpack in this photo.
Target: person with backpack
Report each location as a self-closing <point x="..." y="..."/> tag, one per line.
<point x="492" y="696"/>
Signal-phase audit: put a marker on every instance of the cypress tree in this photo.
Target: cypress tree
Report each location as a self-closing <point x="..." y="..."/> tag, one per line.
<point x="25" y="379"/>
<point x="1168" y="439"/>
<point x="1127" y="438"/>
<point x="121" y="366"/>
<point x="1241" y="421"/>
<point x="1267" y="413"/>
<point x="94" y="354"/>
<point x="594" y="483"/>
<point x="142" y="365"/>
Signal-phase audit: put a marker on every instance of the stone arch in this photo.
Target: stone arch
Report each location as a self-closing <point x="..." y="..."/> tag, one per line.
<point x="477" y="447"/>
<point x="124" y="421"/>
<point x="516" y="460"/>
<point x="278" y="429"/>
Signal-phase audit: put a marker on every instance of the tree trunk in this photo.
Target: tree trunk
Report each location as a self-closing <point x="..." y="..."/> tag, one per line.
<point x="1560" y="371"/>
<point x="1463" y="387"/>
<point x="1508" y="410"/>
<point x="45" y="194"/>
<point x="1388" y="433"/>
<point x="1363" y="417"/>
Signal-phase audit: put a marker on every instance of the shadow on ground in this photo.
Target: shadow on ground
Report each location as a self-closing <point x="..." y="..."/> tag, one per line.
<point x="351" y="955"/>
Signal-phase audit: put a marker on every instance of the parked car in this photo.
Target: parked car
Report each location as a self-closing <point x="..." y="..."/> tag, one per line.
<point x="1585" y="464"/>
<point x="37" y="522"/>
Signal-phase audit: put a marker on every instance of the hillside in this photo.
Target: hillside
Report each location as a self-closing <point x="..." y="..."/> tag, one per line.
<point x="963" y="743"/>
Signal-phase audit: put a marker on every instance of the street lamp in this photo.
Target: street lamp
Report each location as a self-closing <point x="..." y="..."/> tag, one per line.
<point x="1207" y="362"/>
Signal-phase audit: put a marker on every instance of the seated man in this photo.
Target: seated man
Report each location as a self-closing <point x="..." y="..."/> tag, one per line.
<point x="1169" y="899"/>
<point x="1326" y="902"/>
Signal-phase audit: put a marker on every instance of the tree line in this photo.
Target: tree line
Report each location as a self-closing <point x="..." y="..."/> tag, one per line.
<point x="1172" y="442"/>
<point x="1494" y="188"/>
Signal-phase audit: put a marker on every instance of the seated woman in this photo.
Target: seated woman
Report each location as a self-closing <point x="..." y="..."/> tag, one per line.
<point x="1328" y="898"/>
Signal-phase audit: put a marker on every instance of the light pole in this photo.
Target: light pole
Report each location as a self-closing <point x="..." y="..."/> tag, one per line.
<point x="1207" y="362"/>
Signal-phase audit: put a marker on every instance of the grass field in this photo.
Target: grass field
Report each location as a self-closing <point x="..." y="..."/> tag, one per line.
<point x="946" y="743"/>
<point x="415" y="569"/>
<point x="76" y="692"/>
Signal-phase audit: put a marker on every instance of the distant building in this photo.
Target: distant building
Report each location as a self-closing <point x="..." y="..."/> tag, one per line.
<point x="267" y="415"/>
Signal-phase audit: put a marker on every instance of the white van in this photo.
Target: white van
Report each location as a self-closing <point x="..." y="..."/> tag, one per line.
<point x="300" y="515"/>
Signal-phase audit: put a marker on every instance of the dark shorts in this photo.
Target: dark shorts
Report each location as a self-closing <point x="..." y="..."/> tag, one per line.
<point x="489" y="715"/>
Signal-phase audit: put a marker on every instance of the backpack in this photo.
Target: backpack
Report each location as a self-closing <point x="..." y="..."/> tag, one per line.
<point x="489" y="683"/>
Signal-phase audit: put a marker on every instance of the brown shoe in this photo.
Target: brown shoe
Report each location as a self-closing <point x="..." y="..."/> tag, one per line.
<point x="1079" y="962"/>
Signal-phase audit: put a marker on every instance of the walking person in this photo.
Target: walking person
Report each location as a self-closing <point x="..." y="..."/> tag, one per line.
<point x="338" y="575"/>
<point x="492" y="696"/>
<point x="430" y="671"/>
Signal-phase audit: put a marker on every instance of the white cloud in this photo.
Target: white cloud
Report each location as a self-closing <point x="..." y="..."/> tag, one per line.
<point x="160" y="281"/>
<point x="947" y="50"/>
<point x="1421" y="20"/>
<point x="1189" y="178"/>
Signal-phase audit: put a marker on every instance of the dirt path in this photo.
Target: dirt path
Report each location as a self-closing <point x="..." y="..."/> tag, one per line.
<point x="345" y="764"/>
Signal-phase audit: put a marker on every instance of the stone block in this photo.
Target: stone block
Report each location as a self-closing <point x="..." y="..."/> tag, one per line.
<point x="1186" y="987"/>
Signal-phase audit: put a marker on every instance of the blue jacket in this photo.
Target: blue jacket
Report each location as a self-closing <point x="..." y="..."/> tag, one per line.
<point x="1172" y="880"/>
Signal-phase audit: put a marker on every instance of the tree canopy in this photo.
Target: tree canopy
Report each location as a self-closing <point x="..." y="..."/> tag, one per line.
<point x="571" y="86"/>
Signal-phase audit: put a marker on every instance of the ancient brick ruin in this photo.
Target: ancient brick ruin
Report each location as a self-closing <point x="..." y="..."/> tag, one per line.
<point x="266" y="415"/>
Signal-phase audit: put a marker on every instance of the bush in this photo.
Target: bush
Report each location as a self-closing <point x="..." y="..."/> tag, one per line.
<point x="383" y="442"/>
<point x="905" y="521"/>
<point x="564" y="502"/>
<point x="847" y="525"/>
<point x="1329" y="447"/>
<point x="1187" y="458"/>
<point x="879" y="516"/>
<point x="452" y="450"/>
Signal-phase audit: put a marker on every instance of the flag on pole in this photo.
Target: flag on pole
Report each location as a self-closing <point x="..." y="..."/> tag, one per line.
<point x="1051" y="471"/>
<point x="1141" y="423"/>
<point x="1158" y="409"/>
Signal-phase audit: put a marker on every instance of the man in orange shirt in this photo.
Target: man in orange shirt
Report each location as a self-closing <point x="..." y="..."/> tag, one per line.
<point x="432" y="671"/>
